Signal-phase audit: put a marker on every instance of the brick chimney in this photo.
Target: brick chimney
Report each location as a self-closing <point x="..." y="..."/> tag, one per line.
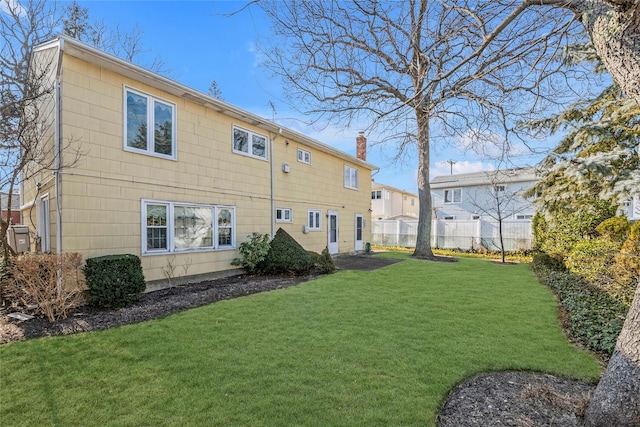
<point x="361" y="147"/>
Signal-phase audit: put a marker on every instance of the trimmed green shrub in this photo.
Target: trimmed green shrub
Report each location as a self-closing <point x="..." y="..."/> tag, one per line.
<point x="595" y="317"/>
<point x="114" y="281"/>
<point x="286" y="256"/>
<point x="626" y="266"/>
<point x="323" y="263"/>
<point x="615" y="229"/>
<point x="592" y="260"/>
<point x="253" y="252"/>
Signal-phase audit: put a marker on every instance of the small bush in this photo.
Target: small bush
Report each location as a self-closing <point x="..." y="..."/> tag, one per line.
<point x="32" y="282"/>
<point x="286" y="256"/>
<point x="543" y="259"/>
<point x="323" y="263"/>
<point x="626" y="266"/>
<point x="595" y="317"/>
<point x="592" y="260"/>
<point x="114" y="280"/>
<point x="615" y="229"/>
<point x="253" y="252"/>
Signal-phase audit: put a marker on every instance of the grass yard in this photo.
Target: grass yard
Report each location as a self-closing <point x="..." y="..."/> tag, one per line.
<point x="350" y="349"/>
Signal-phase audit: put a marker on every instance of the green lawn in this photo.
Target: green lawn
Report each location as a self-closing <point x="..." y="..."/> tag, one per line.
<point x="354" y="348"/>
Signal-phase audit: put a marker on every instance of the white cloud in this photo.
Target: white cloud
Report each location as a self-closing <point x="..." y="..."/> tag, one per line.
<point x="6" y="6"/>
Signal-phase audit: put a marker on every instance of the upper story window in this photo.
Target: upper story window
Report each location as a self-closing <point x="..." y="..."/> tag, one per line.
<point x="304" y="156"/>
<point x="150" y="125"/>
<point x="376" y="195"/>
<point x="453" y="196"/>
<point x="350" y="177"/>
<point x="249" y="143"/>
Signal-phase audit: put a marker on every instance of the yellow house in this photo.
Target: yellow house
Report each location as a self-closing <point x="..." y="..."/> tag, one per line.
<point x="147" y="166"/>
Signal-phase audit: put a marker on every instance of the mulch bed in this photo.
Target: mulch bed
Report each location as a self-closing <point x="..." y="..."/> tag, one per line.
<point x="493" y="399"/>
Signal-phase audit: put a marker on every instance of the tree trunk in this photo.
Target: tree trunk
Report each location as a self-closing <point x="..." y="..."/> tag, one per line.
<point x="615" y="33"/>
<point x="616" y="400"/>
<point x="423" y="240"/>
<point x="614" y="29"/>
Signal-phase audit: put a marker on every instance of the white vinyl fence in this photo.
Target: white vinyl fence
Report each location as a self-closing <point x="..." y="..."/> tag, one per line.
<point x="455" y="234"/>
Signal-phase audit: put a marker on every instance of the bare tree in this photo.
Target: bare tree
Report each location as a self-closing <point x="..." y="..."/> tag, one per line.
<point x="419" y="72"/>
<point x="124" y="43"/>
<point x="22" y="87"/>
<point x="500" y="201"/>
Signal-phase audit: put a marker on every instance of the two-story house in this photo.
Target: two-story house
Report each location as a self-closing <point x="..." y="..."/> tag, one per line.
<point x="392" y="203"/>
<point x="470" y="210"/>
<point x="175" y="176"/>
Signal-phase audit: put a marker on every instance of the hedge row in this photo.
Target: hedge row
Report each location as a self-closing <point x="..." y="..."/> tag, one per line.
<point x="595" y="317"/>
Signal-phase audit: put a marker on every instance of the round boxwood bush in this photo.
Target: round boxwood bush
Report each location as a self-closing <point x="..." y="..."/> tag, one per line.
<point x="114" y="281"/>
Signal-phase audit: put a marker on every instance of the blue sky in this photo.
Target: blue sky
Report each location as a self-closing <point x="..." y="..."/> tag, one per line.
<point x="198" y="45"/>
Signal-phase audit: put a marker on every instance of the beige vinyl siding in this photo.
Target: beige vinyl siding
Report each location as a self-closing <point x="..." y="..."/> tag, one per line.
<point x="103" y="193"/>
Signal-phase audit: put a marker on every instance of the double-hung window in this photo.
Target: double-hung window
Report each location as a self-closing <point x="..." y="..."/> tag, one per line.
<point x="179" y="227"/>
<point x="304" y="156"/>
<point x="453" y="196"/>
<point x="249" y="143"/>
<point x="314" y="223"/>
<point x="149" y="125"/>
<point x="350" y="177"/>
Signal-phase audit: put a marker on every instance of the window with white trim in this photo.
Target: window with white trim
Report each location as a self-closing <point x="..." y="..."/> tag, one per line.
<point x="453" y="196"/>
<point x="376" y="195"/>
<point x="249" y="143"/>
<point x="284" y="215"/>
<point x="314" y="222"/>
<point x="524" y="216"/>
<point x="350" y="177"/>
<point x="149" y="125"/>
<point x="304" y="156"/>
<point x="181" y="227"/>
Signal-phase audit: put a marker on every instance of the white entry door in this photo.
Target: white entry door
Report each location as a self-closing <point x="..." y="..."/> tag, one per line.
<point x="332" y="229"/>
<point x="359" y="226"/>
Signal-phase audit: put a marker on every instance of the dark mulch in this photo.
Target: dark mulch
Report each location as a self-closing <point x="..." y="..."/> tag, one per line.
<point x="363" y="262"/>
<point x="525" y="399"/>
<point x="493" y="399"/>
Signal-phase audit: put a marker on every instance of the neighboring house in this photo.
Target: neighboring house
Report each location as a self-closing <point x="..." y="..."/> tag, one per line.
<point x="15" y="207"/>
<point x="468" y="209"/>
<point x="391" y="203"/>
<point x="479" y="195"/>
<point x="631" y="208"/>
<point x="178" y="177"/>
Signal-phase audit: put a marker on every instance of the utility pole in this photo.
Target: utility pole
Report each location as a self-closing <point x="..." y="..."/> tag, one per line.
<point x="451" y="163"/>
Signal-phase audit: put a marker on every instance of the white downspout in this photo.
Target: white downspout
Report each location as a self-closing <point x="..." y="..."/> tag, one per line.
<point x="58" y="147"/>
<point x="273" y="196"/>
<point x="56" y="173"/>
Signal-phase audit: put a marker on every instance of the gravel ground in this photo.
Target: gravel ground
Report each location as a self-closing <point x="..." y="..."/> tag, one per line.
<point x="493" y="399"/>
